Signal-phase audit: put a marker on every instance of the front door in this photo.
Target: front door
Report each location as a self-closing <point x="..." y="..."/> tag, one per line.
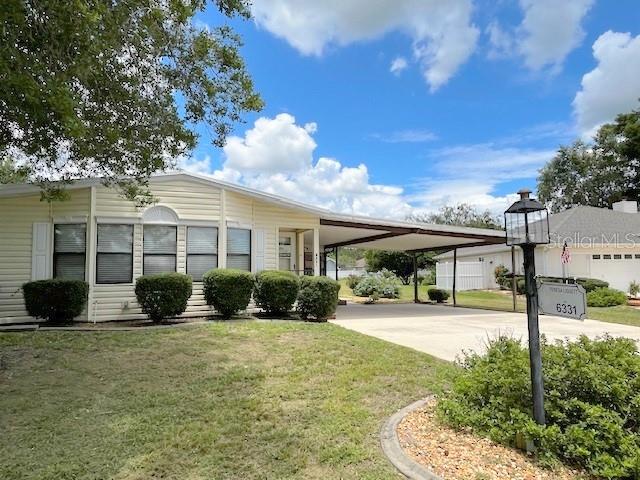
<point x="287" y="251"/>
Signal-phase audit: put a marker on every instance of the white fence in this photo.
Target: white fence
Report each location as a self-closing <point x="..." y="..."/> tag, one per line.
<point x="469" y="276"/>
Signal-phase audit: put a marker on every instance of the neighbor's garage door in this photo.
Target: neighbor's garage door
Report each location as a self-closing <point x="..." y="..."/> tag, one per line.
<point x="619" y="269"/>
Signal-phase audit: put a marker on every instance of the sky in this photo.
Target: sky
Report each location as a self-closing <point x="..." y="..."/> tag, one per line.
<point x="392" y="107"/>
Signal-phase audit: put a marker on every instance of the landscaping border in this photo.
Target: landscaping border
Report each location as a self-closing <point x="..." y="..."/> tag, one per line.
<point x="393" y="450"/>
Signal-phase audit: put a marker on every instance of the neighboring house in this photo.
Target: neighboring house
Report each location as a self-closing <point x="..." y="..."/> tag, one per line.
<point x="603" y="243"/>
<point x="197" y="224"/>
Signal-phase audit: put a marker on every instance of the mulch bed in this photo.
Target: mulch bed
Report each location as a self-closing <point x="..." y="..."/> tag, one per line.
<point x="455" y="455"/>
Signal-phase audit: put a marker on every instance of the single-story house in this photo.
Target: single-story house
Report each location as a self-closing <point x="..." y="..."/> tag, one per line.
<point x="197" y="223"/>
<point x="603" y="243"/>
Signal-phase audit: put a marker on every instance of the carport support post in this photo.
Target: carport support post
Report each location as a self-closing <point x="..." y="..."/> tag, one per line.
<point x="455" y="267"/>
<point x="415" y="278"/>
<point x="535" y="356"/>
<point x="336" y="252"/>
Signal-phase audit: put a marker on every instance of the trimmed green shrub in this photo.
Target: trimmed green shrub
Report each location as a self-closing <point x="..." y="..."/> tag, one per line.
<point x="606" y="297"/>
<point x="164" y="295"/>
<point x="353" y="280"/>
<point x="382" y="284"/>
<point x="318" y="297"/>
<point x="228" y="290"/>
<point x="591" y="401"/>
<point x="55" y="300"/>
<point x="438" y="295"/>
<point x="500" y="272"/>
<point x="591" y="284"/>
<point x="276" y="291"/>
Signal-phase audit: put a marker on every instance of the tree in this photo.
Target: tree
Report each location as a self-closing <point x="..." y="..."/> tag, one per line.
<point x="400" y="263"/>
<point x="463" y="215"/>
<point x="596" y="174"/>
<point x="11" y="173"/>
<point x="114" y="89"/>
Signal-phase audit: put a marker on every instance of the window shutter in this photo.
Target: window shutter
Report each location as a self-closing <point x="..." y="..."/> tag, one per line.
<point x="259" y="254"/>
<point x="41" y="251"/>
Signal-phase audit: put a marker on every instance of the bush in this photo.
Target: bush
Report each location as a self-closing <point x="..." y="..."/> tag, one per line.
<point x="634" y="288"/>
<point x="318" y="297"/>
<point x="500" y="272"/>
<point x="382" y="284"/>
<point x="429" y="278"/>
<point x="353" y="280"/>
<point x="591" y="284"/>
<point x="228" y="290"/>
<point x="276" y="291"/>
<point x="606" y="297"/>
<point x="164" y="295"/>
<point x="438" y="295"/>
<point x="591" y="389"/>
<point x="56" y="300"/>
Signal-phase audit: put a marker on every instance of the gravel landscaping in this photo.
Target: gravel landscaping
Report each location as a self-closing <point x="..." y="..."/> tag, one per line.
<point x="456" y="455"/>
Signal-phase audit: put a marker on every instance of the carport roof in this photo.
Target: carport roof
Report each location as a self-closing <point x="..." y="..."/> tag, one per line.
<point x="366" y="232"/>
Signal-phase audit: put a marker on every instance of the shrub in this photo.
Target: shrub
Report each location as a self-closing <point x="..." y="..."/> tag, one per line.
<point x="606" y="297"/>
<point x="318" y="297"/>
<point x="591" y="284"/>
<point x="276" y="291"/>
<point x="352" y="281"/>
<point x="228" y="290"/>
<point x="634" y="288"/>
<point x="438" y="295"/>
<point x="383" y="284"/>
<point x="591" y="401"/>
<point x="164" y="295"/>
<point x="500" y="272"/>
<point x="56" y="300"/>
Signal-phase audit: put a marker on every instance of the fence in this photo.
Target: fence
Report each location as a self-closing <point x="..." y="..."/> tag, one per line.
<point x="469" y="276"/>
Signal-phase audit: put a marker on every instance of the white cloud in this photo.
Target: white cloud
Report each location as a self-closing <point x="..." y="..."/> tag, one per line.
<point x="613" y="86"/>
<point x="442" y="34"/>
<point x="406" y="136"/>
<point x="276" y="156"/>
<point x="549" y="31"/>
<point x="398" y="65"/>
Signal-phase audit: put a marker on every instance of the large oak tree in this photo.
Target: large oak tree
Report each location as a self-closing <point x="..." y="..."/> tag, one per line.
<point x="114" y="88"/>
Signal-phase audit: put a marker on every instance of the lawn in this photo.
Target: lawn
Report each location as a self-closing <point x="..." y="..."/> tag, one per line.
<point x="226" y="401"/>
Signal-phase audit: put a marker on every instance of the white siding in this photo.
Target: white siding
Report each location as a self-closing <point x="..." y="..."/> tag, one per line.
<point x="17" y="216"/>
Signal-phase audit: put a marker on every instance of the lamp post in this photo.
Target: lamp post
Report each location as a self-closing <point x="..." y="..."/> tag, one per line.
<point x="527" y="225"/>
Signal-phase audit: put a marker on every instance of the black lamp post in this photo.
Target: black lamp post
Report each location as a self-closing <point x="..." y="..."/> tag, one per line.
<point x="527" y="225"/>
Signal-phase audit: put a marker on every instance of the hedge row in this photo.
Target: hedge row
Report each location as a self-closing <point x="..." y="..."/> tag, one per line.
<point x="166" y="295"/>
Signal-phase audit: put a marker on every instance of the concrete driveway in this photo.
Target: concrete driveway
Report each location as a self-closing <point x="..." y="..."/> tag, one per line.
<point x="445" y="331"/>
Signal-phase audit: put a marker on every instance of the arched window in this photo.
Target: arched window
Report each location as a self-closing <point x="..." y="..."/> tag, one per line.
<point x="160" y="238"/>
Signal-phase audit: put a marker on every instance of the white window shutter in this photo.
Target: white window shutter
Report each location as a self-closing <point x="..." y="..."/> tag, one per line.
<point x="41" y="251"/>
<point x="259" y="250"/>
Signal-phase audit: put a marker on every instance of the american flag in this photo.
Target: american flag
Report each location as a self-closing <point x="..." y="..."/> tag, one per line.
<point x="566" y="254"/>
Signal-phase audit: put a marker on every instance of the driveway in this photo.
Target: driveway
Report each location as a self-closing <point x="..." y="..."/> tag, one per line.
<point x="445" y="331"/>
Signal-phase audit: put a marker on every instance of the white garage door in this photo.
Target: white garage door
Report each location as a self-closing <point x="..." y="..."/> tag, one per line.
<point x="619" y="269"/>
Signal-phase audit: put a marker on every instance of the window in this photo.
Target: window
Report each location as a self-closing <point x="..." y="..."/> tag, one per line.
<point x="202" y="251"/>
<point x="159" y="249"/>
<point x="617" y="256"/>
<point x="69" y="249"/>
<point x="606" y="256"/>
<point x="114" y="257"/>
<point x="628" y="256"/>
<point x="596" y="257"/>
<point x="637" y="256"/>
<point x="239" y="248"/>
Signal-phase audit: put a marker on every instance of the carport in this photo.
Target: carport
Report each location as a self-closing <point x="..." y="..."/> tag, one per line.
<point x="413" y="238"/>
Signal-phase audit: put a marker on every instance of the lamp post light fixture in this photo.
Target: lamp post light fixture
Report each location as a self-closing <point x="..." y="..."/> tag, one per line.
<point x="527" y="225"/>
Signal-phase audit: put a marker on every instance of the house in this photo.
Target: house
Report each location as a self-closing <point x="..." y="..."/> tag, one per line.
<point x="603" y="243"/>
<point x="196" y="224"/>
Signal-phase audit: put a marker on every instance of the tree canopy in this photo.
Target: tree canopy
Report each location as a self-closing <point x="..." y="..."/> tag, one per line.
<point x="115" y="88"/>
<point x="597" y="174"/>
<point x="400" y="263"/>
<point x="462" y="215"/>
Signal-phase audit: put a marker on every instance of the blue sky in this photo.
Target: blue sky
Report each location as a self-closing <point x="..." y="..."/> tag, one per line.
<point x="482" y="95"/>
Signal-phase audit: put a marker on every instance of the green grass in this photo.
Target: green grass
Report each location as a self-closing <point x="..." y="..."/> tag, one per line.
<point x="620" y="314"/>
<point x="490" y="300"/>
<point x="222" y="401"/>
<point x="406" y="293"/>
